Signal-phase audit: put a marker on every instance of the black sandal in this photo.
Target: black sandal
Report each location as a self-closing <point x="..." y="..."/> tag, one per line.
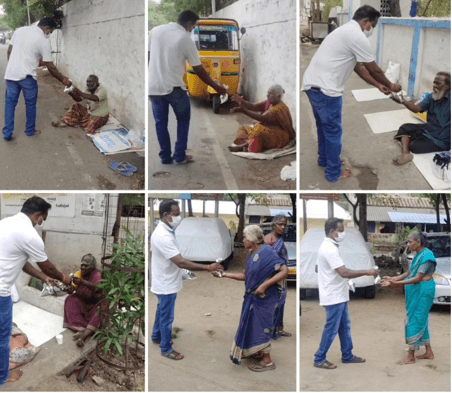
<point x="326" y="365"/>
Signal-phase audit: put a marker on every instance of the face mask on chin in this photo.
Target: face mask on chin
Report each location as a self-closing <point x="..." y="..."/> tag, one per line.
<point x="40" y="225"/>
<point x="368" y="33"/>
<point x="175" y="221"/>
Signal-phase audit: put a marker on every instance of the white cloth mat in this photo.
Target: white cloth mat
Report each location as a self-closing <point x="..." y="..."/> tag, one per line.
<point x="424" y="162"/>
<point x="368" y="94"/>
<point x="39" y="325"/>
<point x="390" y="120"/>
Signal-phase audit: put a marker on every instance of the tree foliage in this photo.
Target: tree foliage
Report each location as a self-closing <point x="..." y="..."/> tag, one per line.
<point x="16" y="11"/>
<point x="168" y="10"/>
<point x="431" y="8"/>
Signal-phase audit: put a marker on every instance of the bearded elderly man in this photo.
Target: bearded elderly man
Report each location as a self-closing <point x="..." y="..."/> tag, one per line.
<point x="433" y="136"/>
<point x="95" y="115"/>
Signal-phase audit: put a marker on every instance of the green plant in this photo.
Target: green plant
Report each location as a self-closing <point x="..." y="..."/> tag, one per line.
<point x="123" y="286"/>
<point x="403" y="236"/>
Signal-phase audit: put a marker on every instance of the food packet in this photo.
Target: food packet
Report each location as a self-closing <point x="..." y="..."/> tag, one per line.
<point x="188" y="275"/>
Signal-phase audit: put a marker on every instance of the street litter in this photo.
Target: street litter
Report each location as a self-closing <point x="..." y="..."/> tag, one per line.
<point x="208" y="314"/>
<point x="110" y="141"/>
<point x="289" y="172"/>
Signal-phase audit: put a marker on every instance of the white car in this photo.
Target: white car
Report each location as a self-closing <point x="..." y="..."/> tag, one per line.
<point x="439" y="244"/>
<point x="203" y="239"/>
<point x="355" y="253"/>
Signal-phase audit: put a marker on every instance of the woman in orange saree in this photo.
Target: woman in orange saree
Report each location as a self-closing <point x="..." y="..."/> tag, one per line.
<point x="272" y="127"/>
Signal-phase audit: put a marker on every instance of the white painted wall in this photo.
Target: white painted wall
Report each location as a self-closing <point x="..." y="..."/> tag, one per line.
<point x="268" y="47"/>
<point x="107" y="38"/>
<point x="434" y="53"/>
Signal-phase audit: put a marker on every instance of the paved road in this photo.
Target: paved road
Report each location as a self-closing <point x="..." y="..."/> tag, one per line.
<point x="206" y="341"/>
<point x="215" y="168"/>
<point x="377" y="328"/>
<point x="59" y="158"/>
<point x="370" y="155"/>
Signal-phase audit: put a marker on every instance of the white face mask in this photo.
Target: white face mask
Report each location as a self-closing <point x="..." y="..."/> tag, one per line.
<point x="340" y="236"/>
<point x="175" y="221"/>
<point x="368" y="33"/>
<point x="41" y="225"/>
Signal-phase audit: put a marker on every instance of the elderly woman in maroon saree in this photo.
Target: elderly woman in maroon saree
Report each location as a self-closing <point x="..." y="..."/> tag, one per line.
<point x="82" y="306"/>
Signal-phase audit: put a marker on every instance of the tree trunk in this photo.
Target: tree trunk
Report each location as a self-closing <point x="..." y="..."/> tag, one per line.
<point x="438" y="221"/>
<point x="117" y="224"/>
<point x="394" y="7"/>
<point x="446" y="207"/>
<point x="293" y="198"/>
<point x="362" y="202"/>
<point x="190" y="209"/>
<point x="241" y="215"/>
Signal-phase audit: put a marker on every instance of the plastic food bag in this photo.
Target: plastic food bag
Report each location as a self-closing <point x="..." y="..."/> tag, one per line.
<point x="48" y="290"/>
<point x="188" y="275"/>
<point x="393" y="72"/>
<point x="441" y="166"/>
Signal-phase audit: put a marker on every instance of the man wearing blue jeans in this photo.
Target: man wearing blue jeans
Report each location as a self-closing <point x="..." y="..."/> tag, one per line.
<point x="345" y="50"/>
<point x="170" y="47"/>
<point x="20" y="244"/>
<point x="28" y="46"/>
<point x="334" y="295"/>
<point x="166" y="275"/>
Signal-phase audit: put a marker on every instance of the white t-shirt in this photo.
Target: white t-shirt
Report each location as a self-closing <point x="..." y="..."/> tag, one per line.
<point x="336" y="58"/>
<point x="29" y="46"/>
<point x="19" y="242"/>
<point x="170" y="46"/>
<point x="333" y="289"/>
<point x="166" y="277"/>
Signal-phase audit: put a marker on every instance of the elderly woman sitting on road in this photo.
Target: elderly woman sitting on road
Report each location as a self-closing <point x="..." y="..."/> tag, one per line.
<point x="82" y="307"/>
<point x="263" y="270"/>
<point x="272" y="128"/>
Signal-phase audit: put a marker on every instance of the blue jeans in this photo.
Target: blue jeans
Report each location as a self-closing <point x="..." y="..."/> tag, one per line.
<point x="328" y="117"/>
<point x="29" y="86"/>
<point x="163" y="324"/>
<point x="179" y="101"/>
<point x="6" y="323"/>
<point x="337" y="322"/>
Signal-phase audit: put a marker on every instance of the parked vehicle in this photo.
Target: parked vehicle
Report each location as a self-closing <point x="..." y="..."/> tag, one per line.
<point x="202" y="239"/>
<point x="290" y="241"/>
<point x="355" y="253"/>
<point x="439" y="244"/>
<point x="218" y="46"/>
<point x="2" y="38"/>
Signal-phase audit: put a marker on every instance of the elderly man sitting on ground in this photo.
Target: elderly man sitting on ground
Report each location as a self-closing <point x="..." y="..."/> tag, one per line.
<point x="95" y="115"/>
<point x="433" y="136"/>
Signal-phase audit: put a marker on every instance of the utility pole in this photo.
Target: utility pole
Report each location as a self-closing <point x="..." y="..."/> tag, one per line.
<point x="28" y="12"/>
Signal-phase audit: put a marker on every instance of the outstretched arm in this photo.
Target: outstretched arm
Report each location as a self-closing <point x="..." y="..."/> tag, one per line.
<point x="30" y="270"/>
<point x="183" y="263"/>
<point x="56" y="74"/>
<point x="268" y="119"/>
<point x="347" y="273"/>
<point x="378" y="75"/>
<point x="205" y="77"/>
<point x="50" y="270"/>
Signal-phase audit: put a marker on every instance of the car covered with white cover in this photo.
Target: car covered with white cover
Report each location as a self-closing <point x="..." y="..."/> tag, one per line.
<point x="354" y="252"/>
<point x="203" y="239"/>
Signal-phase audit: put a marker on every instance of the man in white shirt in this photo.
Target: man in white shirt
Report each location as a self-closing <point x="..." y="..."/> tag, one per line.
<point x="170" y="47"/>
<point x="20" y="244"/>
<point x="345" y="50"/>
<point x="28" y="46"/>
<point x="334" y="295"/>
<point x="166" y="275"/>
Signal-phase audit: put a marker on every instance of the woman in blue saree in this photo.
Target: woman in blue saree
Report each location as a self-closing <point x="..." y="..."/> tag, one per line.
<point x="419" y="296"/>
<point x="275" y="239"/>
<point x="263" y="270"/>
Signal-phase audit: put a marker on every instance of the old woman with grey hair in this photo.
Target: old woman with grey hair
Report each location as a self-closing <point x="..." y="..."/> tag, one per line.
<point x="419" y="296"/>
<point x="275" y="239"/>
<point x="272" y="127"/>
<point x="82" y="306"/>
<point x="263" y="270"/>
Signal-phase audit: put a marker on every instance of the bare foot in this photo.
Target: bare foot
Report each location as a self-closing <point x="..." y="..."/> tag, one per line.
<point x="407" y="360"/>
<point x="58" y="124"/>
<point x="76" y="336"/>
<point x="426" y="356"/>
<point x="14" y="376"/>
<point x="80" y="343"/>
<point x="402" y="159"/>
<point x="346" y="173"/>
<point x="37" y="132"/>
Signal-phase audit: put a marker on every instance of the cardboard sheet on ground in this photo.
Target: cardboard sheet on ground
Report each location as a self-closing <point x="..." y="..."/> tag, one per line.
<point x="110" y="141"/>
<point x="269" y="154"/>
<point x="424" y="162"/>
<point x="390" y="120"/>
<point x="39" y="325"/>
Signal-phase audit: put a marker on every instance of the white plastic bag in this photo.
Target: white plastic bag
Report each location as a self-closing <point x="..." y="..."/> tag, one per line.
<point x="393" y="72"/>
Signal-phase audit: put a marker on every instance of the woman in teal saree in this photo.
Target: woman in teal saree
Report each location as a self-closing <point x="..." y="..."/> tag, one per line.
<point x="419" y="296"/>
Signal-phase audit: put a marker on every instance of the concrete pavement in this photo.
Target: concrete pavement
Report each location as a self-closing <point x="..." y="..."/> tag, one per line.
<point x="59" y="158"/>
<point x="370" y="155"/>
<point x="215" y="167"/>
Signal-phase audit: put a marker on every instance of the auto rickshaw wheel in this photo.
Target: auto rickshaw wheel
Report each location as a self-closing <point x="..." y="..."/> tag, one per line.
<point x="216" y="102"/>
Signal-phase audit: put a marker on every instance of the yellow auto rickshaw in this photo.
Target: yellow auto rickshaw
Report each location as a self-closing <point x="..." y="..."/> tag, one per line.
<point x="218" y="46"/>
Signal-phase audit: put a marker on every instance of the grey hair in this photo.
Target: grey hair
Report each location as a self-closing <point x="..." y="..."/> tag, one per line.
<point x="89" y="260"/>
<point x="277" y="218"/>
<point x="277" y="89"/>
<point x="254" y="234"/>
<point x="418" y="237"/>
<point x="331" y="224"/>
